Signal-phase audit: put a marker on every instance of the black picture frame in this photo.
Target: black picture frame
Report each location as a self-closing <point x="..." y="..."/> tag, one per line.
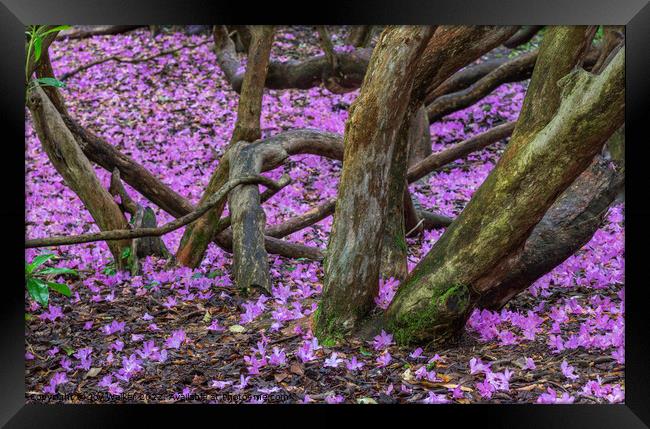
<point x="634" y="14"/>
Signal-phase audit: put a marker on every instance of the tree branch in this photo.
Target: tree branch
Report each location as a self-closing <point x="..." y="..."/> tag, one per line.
<point x="124" y="234"/>
<point x="118" y="59"/>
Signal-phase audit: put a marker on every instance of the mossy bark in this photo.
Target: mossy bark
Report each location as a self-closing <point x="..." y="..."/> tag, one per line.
<point x="394" y="249"/>
<point x="371" y="148"/>
<point x="561" y="128"/>
<point x="569" y="224"/>
<point x="199" y="234"/>
<point x="402" y="214"/>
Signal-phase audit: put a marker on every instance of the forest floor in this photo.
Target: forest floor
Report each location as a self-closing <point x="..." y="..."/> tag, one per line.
<point x="181" y="335"/>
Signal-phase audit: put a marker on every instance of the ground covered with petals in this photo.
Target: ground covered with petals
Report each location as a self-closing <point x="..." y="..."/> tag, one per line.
<point x="178" y="335"/>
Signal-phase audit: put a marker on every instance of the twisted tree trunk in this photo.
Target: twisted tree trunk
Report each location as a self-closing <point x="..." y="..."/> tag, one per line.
<point x="372" y="147"/>
<point x="442" y="58"/>
<point x="567" y="226"/>
<point x="566" y="119"/>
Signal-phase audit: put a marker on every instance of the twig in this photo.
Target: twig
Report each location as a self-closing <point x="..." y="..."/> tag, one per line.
<point x="415" y="227"/>
<point x="115" y="58"/>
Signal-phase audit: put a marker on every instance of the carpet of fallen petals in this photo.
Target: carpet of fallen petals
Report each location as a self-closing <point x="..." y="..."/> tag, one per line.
<point x="175" y="334"/>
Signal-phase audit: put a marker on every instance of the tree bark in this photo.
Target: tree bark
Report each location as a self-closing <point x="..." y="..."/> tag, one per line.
<point x="523" y="35"/>
<point x="566" y="119"/>
<point x="68" y="159"/>
<point x="242" y="37"/>
<point x="574" y="217"/>
<point x="293" y="74"/>
<point x="438" y="62"/>
<point x="142" y="217"/>
<point x="515" y="70"/>
<point x="250" y="263"/>
<point x="419" y="137"/>
<point x="452" y="48"/>
<point x="198" y="235"/>
<point x="613" y="39"/>
<point x="567" y="226"/>
<point x="371" y="145"/>
<point x="359" y="36"/>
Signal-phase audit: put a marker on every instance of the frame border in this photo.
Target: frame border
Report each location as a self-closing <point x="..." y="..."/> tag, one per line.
<point x="635" y="14"/>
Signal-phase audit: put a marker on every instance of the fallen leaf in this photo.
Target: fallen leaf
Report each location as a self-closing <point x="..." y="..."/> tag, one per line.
<point x="238" y="329"/>
<point x="280" y="377"/>
<point x="92" y="372"/>
<point x="297" y="369"/>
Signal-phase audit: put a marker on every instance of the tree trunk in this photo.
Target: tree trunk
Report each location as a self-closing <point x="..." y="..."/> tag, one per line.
<point x="419" y="137"/>
<point x="359" y="36"/>
<point x="242" y="37"/>
<point x="250" y="262"/>
<point x="76" y="170"/>
<point x="199" y="234"/>
<point x="403" y="216"/>
<point x="567" y="226"/>
<point x="565" y="120"/>
<point x="372" y="147"/>
<point x="291" y="73"/>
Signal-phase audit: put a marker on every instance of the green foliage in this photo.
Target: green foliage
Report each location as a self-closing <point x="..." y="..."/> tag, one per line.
<point x="213" y="274"/>
<point x="329" y="342"/>
<point x="599" y="33"/>
<point x="37" y="284"/>
<point x="34" y="50"/>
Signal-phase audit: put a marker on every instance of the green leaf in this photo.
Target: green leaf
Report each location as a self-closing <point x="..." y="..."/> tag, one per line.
<point x="68" y="350"/>
<point x="214" y="274"/>
<point x="38" y="261"/>
<point x="365" y="352"/>
<point x="38" y="291"/>
<point x="50" y="81"/>
<point x="38" y="47"/>
<point x="126" y="253"/>
<point x="59" y="271"/>
<point x="109" y="270"/>
<point x="63" y="289"/>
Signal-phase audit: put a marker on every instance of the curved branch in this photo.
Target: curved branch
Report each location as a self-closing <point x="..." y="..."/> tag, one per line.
<point x="523" y="35"/>
<point x="463" y="78"/>
<point x="515" y="70"/>
<point x="310" y="217"/>
<point x="293" y="74"/>
<point x="437" y="160"/>
<point x="124" y="234"/>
